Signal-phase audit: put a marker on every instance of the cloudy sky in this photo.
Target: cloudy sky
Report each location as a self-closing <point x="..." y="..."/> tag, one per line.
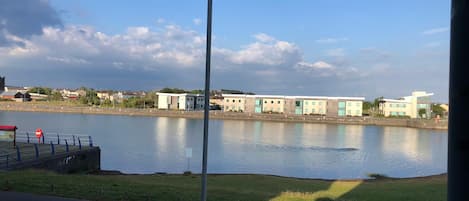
<point x="302" y="47"/>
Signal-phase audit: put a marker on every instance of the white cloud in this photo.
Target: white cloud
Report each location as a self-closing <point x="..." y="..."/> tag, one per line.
<point x="197" y="21"/>
<point x="435" y="31"/>
<point x="316" y="65"/>
<point x="262" y="37"/>
<point x="331" y="40"/>
<point x="337" y="52"/>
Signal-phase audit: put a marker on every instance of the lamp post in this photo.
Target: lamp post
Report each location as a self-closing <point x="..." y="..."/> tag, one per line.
<point x="206" y="101"/>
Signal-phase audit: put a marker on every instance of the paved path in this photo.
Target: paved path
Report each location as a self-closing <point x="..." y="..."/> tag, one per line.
<point x="17" y="196"/>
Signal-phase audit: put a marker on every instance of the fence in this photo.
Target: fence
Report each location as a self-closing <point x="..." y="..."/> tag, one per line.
<point x="29" y="147"/>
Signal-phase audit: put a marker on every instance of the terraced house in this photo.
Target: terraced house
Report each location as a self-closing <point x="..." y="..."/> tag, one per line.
<point x="299" y="105"/>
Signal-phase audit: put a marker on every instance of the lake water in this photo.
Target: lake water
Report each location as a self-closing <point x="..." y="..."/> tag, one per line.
<point x="158" y="144"/>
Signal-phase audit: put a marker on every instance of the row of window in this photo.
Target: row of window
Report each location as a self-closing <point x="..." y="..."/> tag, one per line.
<point x="313" y="111"/>
<point x="357" y="112"/>
<point x="228" y="100"/>
<point x="313" y="103"/>
<point x="272" y="102"/>
<point x="356" y="104"/>
<point x="397" y="105"/>
<point x="398" y="114"/>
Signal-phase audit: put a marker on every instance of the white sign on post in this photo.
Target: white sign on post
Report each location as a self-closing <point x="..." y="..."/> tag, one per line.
<point x="188" y="152"/>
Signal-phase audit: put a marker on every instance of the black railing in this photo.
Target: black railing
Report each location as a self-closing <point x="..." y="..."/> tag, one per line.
<point x="47" y="144"/>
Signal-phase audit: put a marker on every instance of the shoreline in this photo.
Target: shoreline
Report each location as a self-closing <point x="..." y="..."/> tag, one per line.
<point x="216" y="114"/>
<point x="381" y="177"/>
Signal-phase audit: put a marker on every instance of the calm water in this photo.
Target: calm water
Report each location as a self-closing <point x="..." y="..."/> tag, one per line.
<point x="158" y="144"/>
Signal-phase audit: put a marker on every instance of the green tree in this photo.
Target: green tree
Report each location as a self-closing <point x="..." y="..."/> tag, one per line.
<point x="376" y="102"/>
<point x="422" y="112"/>
<point x="55" y="96"/>
<point x="437" y="110"/>
<point x="367" y="105"/>
<point x="41" y="90"/>
<point x="173" y="90"/>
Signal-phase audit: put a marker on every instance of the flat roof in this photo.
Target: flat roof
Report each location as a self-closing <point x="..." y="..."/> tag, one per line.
<point x="394" y="100"/>
<point x="295" y="97"/>
<point x="173" y="94"/>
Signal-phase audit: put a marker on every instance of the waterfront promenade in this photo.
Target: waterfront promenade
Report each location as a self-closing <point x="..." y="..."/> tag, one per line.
<point x="216" y="114"/>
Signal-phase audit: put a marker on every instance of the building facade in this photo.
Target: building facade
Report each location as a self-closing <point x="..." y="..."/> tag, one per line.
<point x="418" y="105"/>
<point x="299" y="105"/>
<point x="187" y="102"/>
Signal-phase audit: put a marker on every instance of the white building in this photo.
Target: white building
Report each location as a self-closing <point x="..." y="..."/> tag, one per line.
<point x="407" y="106"/>
<point x="188" y="102"/>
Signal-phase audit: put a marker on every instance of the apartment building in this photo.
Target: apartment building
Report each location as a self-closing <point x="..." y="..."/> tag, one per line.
<point x="188" y="102"/>
<point x="234" y="103"/>
<point x="407" y="106"/>
<point x="299" y="105"/>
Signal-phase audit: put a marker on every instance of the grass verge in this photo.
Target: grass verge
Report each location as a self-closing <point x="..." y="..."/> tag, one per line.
<point x="221" y="187"/>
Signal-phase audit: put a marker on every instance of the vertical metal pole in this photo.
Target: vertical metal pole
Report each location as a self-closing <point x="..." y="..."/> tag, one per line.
<point x="18" y="153"/>
<point x="37" y="151"/>
<point x="27" y="135"/>
<point x="458" y="140"/>
<point x="42" y="139"/>
<point x="207" y="100"/>
<point x="66" y="146"/>
<point x="52" y="149"/>
<point x="73" y="136"/>
<point x="79" y="143"/>
<point x="91" y="141"/>
<point x="58" y="139"/>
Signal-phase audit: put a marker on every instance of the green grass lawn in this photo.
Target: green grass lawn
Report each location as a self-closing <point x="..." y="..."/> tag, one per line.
<point x="221" y="187"/>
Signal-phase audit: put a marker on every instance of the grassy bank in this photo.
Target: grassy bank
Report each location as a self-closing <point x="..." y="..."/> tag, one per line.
<point x="221" y="187"/>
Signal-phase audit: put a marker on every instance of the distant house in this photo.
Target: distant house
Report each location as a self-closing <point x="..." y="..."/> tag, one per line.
<point x="103" y="95"/>
<point x="69" y="94"/>
<point x="16" y="96"/>
<point x="15" y="89"/>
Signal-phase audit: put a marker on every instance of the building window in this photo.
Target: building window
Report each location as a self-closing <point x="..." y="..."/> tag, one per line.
<point x="265" y="102"/>
<point x="306" y="102"/>
<point x="227" y="100"/>
<point x="239" y="101"/>
<point x="349" y="112"/>
<point x="320" y="111"/>
<point x="358" y="104"/>
<point x="226" y="108"/>
<point x="312" y="110"/>
<point x="313" y="103"/>
<point x="272" y="102"/>
<point x="278" y="102"/>
<point x="297" y="103"/>
<point x="390" y="105"/>
<point x="233" y="100"/>
<point x="319" y="103"/>
<point x="349" y="104"/>
<point x="306" y="110"/>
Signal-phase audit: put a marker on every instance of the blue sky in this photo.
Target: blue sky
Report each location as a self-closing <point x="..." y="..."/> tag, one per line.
<point x="310" y="47"/>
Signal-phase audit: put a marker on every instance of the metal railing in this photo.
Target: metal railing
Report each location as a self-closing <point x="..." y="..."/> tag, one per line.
<point x="46" y="145"/>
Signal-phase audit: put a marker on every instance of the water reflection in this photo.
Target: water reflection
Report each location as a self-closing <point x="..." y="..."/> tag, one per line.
<point x="149" y="144"/>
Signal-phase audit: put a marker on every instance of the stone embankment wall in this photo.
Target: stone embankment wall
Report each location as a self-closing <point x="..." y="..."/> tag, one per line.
<point x="41" y="107"/>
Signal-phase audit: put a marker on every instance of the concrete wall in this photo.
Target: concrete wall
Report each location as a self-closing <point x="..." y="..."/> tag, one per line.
<point x="332" y="108"/>
<point x="289" y="106"/>
<point x="250" y="105"/>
